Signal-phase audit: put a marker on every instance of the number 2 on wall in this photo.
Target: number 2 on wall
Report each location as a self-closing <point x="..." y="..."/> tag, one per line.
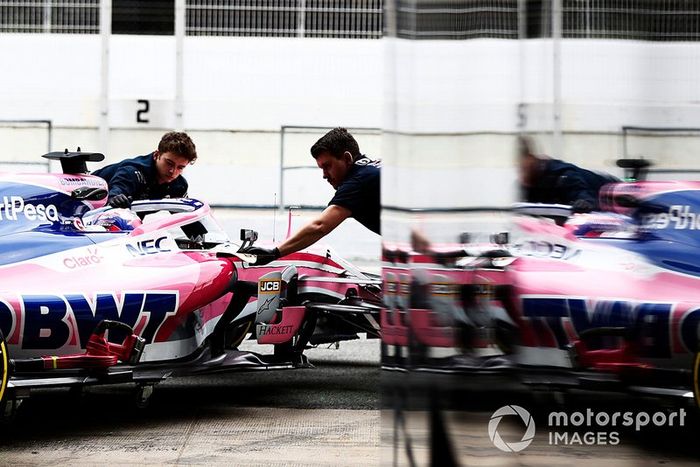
<point x="141" y="112"/>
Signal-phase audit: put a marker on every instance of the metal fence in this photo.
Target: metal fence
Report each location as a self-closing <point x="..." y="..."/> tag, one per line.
<point x="662" y="146"/>
<point x="655" y="20"/>
<point x="50" y="16"/>
<point x="30" y="138"/>
<point x="286" y="18"/>
<point x="461" y="19"/>
<point x="652" y="20"/>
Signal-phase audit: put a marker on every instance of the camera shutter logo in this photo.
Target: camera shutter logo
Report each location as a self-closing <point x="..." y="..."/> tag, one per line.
<point x="528" y="421"/>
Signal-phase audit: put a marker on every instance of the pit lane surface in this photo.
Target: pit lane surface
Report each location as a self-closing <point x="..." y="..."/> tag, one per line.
<point x="328" y="415"/>
<point x="414" y="433"/>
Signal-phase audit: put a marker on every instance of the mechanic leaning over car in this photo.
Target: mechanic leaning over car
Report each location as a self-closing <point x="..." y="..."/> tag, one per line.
<point x="355" y="179"/>
<point x="154" y="176"/>
<point x="547" y="180"/>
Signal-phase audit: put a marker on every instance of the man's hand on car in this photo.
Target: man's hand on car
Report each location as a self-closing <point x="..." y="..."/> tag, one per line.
<point x="264" y="255"/>
<point x="120" y="201"/>
<point x="581" y="206"/>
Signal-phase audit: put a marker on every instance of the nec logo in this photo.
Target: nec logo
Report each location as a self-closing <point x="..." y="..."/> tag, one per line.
<point x="269" y="286"/>
<point x="148" y="247"/>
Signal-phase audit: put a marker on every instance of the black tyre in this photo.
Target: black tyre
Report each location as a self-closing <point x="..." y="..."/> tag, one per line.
<point x="696" y="379"/>
<point x="4" y="370"/>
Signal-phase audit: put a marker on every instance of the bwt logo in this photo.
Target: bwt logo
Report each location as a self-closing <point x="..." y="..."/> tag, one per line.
<point x="269" y="286"/>
<point x="527" y="420"/>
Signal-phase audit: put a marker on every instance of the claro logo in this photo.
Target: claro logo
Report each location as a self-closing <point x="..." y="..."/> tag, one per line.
<point x="14" y="205"/>
<point x="269" y="286"/>
<point x="82" y="260"/>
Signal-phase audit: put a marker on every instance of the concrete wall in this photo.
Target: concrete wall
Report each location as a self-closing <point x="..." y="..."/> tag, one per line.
<point x="450" y="108"/>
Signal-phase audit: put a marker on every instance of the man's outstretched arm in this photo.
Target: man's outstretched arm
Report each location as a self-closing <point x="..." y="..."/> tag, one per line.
<point x="329" y="219"/>
<point x="315" y="230"/>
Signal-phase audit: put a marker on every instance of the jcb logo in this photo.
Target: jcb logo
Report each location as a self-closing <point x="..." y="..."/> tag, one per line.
<point x="269" y="286"/>
<point x="444" y="289"/>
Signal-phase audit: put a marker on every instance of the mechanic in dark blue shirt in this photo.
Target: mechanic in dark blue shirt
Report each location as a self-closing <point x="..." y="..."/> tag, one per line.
<point x="356" y="181"/>
<point x="546" y="180"/>
<point x="154" y="176"/>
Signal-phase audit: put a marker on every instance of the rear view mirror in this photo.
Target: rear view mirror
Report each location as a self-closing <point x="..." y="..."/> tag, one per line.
<point x="249" y="235"/>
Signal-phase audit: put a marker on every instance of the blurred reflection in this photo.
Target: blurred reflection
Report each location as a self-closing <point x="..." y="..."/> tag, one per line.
<point x="524" y="333"/>
<point x="547" y="180"/>
<point x="528" y="321"/>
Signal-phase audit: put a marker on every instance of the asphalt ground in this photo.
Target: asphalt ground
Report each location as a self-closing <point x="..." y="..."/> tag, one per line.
<point x="326" y="415"/>
<point x="439" y="419"/>
<point x="470" y="444"/>
<point x="344" y="411"/>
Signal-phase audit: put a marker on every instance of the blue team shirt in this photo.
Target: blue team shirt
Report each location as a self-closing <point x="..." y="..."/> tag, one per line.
<point x="359" y="193"/>
<point x="565" y="183"/>
<point x="138" y="178"/>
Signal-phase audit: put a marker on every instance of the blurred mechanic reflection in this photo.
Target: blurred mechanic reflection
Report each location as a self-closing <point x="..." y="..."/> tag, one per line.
<point x="116" y="220"/>
<point x="154" y="176"/>
<point x="547" y="180"/>
<point x="472" y="305"/>
<point x="356" y="181"/>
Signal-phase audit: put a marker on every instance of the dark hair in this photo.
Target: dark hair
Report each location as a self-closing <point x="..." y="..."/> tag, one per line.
<point x="526" y="146"/>
<point x="178" y="143"/>
<point x="336" y="142"/>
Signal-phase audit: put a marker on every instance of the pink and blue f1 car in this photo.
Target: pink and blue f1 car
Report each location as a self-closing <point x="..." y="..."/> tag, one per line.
<point x="92" y="295"/>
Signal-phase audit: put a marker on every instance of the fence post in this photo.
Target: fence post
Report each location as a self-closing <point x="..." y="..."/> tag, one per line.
<point x="47" y="16"/>
<point x="281" y="180"/>
<point x="556" y="78"/>
<point x="105" y="33"/>
<point x="180" y="13"/>
<point x="301" y="18"/>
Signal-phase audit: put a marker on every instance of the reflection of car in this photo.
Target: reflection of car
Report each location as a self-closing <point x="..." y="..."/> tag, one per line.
<point x="84" y="304"/>
<point x="623" y="298"/>
<point x="608" y="301"/>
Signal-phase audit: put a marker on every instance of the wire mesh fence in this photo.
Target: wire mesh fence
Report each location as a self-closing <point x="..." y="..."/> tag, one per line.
<point x="654" y="20"/>
<point x="651" y="20"/>
<point x="462" y="19"/>
<point x="50" y="16"/>
<point x="286" y="18"/>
